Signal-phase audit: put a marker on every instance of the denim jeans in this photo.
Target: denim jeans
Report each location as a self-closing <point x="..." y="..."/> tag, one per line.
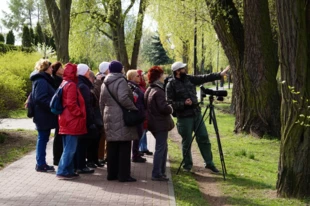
<point x="143" y="141"/>
<point x="186" y="126"/>
<point x="66" y="163"/>
<point x="160" y="156"/>
<point x="43" y="137"/>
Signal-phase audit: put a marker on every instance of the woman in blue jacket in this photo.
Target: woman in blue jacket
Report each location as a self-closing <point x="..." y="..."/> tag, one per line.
<point x="42" y="93"/>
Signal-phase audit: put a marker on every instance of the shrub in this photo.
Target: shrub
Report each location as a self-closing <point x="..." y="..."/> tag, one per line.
<point x="15" y="85"/>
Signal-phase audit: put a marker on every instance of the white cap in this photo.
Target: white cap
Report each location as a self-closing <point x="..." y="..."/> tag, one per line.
<point x="103" y="67"/>
<point x="177" y="65"/>
<point x="82" y="69"/>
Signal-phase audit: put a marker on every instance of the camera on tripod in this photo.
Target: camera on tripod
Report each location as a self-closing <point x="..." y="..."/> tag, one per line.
<point x="220" y="94"/>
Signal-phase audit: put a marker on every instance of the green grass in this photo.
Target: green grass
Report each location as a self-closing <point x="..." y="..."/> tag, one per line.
<point x="14" y="144"/>
<point x="18" y="114"/>
<point x="186" y="189"/>
<point x="251" y="165"/>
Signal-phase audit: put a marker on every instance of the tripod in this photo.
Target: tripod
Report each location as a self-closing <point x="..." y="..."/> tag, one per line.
<point x="212" y="119"/>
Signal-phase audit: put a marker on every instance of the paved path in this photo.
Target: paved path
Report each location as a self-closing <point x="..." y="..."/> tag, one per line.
<point x="17" y="124"/>
<point x="21" y="185"/>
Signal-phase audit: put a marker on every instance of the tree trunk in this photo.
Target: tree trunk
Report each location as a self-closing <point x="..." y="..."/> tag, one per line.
<point x="138" y="34"/>
<point x="253" y="62"/>
<point x="60" y="23"/>
<point x="260" y="112"/>
<point x="294" y="46"/>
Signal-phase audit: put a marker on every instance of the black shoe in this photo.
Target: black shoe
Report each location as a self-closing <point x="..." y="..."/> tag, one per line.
<point x="212" y="168"/>
<point x="111" y="178"/>
<point x="66" y="177"/>
<point x="75" y="175"/>
<point x="139" y="159"/>
<point x="147" y="152"/>
<point x="85" y="170"/>
<point x="45" y="168"/>
<point x="129" y="179"/>
<point x="141" y="154"/>
<point x="161" y="178"/>
<point x="99" y="164"/>
<point x="91" y="165"/>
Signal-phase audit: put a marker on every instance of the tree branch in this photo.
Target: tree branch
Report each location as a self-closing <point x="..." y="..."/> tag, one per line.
<point x="132" y="2"/>
<point x="104" y="33"/>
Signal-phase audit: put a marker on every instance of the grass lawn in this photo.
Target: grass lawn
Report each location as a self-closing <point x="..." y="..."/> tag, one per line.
<point x="14" y="144"/>
<point x="251" y="165"/>
<point x="18" y="114"/>
<point x="185" y="186"/>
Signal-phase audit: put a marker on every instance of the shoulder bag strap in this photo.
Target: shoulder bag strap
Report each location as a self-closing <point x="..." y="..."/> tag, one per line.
<point x="113" y="95"/>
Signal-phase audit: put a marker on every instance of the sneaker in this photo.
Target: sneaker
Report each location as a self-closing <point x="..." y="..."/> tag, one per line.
<point x="45" y="168"/>
<point x="139" y="159"/>
<point x="161" y="178"/>
<point x="147" y="152"/>
<point x="85" y="170"/>
<point x="91" y="165"/>
<point x="212" y="168"/>
<point x="67" y="177"/>
<point x="129" y="179"/>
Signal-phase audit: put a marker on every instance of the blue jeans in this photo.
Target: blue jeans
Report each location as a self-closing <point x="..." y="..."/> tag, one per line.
<point x="143" y="141"/>
<point x="66" y="163"/>
<point x="43" y="137"/>
<point x="160" y="156"/>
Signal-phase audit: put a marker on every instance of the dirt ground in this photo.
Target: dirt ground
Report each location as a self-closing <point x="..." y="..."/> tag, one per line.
<point x="208" y="183"/>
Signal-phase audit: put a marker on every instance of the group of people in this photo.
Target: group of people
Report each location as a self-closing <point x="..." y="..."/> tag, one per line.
<point x="91" y="132"/>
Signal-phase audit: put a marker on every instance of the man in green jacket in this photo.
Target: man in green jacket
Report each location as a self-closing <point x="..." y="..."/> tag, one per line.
<point x="181" y="93"/>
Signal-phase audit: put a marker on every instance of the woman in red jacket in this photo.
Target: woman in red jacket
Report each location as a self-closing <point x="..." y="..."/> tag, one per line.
<point x="72" y="121"/>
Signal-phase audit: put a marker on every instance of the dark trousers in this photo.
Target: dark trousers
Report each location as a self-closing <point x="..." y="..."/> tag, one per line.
<point x="80" y="155"/>
<point x="119" y="160"/>
<point x="160" y="156"/>
<point x="57" y="146"/>
<point x="93" y="148"/>
<point x="136" y="143"/>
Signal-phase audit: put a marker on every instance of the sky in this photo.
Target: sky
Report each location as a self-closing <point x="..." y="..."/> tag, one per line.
<point x="3" y="7"/>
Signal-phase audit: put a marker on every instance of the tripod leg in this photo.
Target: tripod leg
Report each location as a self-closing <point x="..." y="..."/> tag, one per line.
<point x="190" y="145"/>
<point x="213" y="117"/>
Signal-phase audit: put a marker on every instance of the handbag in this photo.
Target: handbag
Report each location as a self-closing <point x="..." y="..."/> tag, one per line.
<point x="130" y="117"/>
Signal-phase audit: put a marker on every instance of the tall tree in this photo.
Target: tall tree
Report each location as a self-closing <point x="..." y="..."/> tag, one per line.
<point x="156" y="53"/>
<point x="294" y="46"/>
<point x="251" y="54"/>
<point x="26" y="37"/>
<point x="21" y="12"/>
<point x="10" y="38"/>
<point x="60" y="22"/>
<point x="39" y="36"/>
<point x="112" y="13"/>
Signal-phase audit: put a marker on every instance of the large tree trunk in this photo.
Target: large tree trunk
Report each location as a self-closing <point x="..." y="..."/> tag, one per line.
<point x="260" y="112"/>
<point x="294" y="47"/>
<point x="60" y="23"/>
<point x="138" y="34"/>
<point x="252" y="58"/>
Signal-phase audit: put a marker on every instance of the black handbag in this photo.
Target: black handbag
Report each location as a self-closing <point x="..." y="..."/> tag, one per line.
<point x="130" y="117"/>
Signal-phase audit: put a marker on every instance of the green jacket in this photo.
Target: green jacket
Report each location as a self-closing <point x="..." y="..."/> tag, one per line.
<point x="177" y="91"/>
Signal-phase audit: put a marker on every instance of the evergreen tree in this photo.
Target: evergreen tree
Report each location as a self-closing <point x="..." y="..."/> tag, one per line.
<point x="26" y="37"/>
<point x="10" y="38"/>
<point x="1" y="38"/>
<point x="156" y="53"/>
<point x="32" y="36"/>
<point x="39" y="36"/>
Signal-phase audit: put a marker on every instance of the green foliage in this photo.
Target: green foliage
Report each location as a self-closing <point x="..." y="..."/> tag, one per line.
<point x="2" y="40"/>
<point x="26" y="37"/>
<point x="2" y="138"/>
<point x="155" y="52"/>
<point x="39" y="36"/>
<point x="10" y="38"/>
<point x="15" y="84"/>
